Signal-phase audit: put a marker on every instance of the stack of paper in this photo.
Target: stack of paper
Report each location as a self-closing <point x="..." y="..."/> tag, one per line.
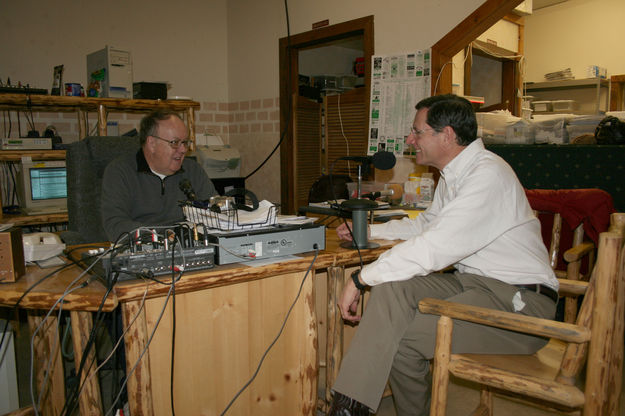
<point x="560" y="75"/>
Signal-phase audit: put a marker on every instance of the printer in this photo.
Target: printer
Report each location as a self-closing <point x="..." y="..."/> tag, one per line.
<point x="218" y="160"/>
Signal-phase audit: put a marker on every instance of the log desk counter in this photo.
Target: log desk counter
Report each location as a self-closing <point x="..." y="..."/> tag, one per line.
<point x="225" y="319"/>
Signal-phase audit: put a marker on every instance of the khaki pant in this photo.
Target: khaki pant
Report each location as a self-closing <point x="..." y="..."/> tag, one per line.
<point x="395" y="342"/>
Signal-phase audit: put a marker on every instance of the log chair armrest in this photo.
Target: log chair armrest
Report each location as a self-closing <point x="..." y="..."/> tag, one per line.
<point x="575" y="253"/>
<point x="506" y="320"/>
<point x="570" y="287"/>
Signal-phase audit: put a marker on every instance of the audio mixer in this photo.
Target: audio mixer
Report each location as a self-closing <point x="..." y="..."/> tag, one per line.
<point x="150" y="254"/>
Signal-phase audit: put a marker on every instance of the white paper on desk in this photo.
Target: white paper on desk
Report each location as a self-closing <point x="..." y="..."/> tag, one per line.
<point x="259" y="216"/>
<point x="294" y="220"/>
<point x="55" y="261"/>
<point x="389" y="212"/>
<point x="326" y="204"/>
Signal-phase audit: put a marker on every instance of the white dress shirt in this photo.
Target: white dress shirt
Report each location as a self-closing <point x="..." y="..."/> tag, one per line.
<point x="480" y="221"/>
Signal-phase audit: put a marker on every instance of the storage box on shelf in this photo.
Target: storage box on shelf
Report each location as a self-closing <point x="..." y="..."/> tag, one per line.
<point x="542" y="90"/>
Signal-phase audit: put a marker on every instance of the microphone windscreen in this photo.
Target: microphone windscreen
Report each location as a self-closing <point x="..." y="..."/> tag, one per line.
<point x="187" y="189"/>
<point x="384" y="160"/>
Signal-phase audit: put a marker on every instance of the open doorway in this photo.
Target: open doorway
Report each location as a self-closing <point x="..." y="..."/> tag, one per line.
<point x="494" y="73"/>
<point x="310" y="144"/>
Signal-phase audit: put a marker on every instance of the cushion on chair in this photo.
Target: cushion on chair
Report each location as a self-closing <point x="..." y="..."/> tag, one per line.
<point x="592" y="207"/>
<point x="86" y="161"/>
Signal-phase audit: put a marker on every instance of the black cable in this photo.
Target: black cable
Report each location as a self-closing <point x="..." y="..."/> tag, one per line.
<point x="72" y="401"/>
<point x="29" y="107"/>
<point x="150" y="338"/>
<point x="14" y="196"/>
<point x="10" y="124"/>
<point x="4" y="123"/>
<point x="26" y="292"/>
<point x="340" y="209"/>
<point x="262" y="359"/>
<point x="288" y="93"/>
<point x="173" y="324"/>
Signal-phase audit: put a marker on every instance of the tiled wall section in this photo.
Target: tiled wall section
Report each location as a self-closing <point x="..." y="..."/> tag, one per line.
<point x="253" y="127"/>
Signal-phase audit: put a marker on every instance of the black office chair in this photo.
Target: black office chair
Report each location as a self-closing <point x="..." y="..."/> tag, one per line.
<point x="86" y="161"/>
<point x="327" y="188"/>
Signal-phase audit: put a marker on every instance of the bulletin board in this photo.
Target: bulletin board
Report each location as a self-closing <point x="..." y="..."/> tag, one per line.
<point x="398" y="83"/>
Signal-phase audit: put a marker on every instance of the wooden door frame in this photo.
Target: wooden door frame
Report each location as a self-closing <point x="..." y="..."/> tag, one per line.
<point x="511" y="80"/>
<point x="289" y="85"/>
<point x="461" y="36"/>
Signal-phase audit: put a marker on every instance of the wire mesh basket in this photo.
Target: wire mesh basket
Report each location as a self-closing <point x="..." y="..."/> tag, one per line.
<point x="232" y="219"/>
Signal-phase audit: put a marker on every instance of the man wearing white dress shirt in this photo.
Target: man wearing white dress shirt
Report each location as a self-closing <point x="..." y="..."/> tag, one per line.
<point x="481" y="223"/>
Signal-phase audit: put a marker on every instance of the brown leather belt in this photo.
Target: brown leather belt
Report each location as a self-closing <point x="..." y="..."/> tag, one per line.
<point x="542" y="289"/>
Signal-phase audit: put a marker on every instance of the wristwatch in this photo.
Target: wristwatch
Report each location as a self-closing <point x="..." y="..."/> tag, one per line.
<point x="355" y="275"/>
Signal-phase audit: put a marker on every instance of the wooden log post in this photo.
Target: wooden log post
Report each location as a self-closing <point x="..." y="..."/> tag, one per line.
<point x="601" y="344"/>
<point x="440" y="372"/>
<point x="334" y="346"/>
<point x="46" y="344"/>
<point x="102" y="127"/>
<point x="90" y="401"/>
<point x="140" y="381"/>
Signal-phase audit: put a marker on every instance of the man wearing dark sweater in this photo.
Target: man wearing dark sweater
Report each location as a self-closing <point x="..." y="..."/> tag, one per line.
<point x="143" y="189"/>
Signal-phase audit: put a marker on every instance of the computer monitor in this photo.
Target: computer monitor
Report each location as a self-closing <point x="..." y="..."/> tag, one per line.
<point x="42" y="187"/>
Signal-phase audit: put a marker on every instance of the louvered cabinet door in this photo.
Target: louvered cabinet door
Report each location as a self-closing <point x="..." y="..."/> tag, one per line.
<point x="307" y="147"/>
<point x="346" y="124"/>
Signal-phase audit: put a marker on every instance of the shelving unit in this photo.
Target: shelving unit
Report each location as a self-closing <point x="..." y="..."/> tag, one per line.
<point x="81" y="106"/>
<point x="574" y="84"/>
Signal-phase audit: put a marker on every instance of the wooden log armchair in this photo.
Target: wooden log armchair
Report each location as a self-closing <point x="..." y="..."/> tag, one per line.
<point x="549" y="378"/>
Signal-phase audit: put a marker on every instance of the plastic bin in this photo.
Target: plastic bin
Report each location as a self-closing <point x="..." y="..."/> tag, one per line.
<point x="581" y="125"/>
<point x="492" y="127"/>
<point x="549" y="129"/>
<point x="564" y="105"/>
<point x="520" y="132"/>
<point x="542" y="106"/>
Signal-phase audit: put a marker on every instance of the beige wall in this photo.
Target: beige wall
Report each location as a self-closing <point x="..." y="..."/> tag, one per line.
<point x="183" y="43"/>
<point x="222" y="53"/>
<point x="255" y="27"/>
<point x="575" y="34"/>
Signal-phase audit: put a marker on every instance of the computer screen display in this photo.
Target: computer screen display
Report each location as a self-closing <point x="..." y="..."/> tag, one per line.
<point x="48" y="183"/>
<point x="42" y="186"/>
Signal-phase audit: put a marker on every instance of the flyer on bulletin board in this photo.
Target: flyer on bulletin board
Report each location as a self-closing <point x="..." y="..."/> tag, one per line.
<point x="398" y="83"/>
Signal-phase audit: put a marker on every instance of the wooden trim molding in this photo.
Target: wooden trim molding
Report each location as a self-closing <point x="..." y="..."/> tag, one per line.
<point x="463" y="34"/>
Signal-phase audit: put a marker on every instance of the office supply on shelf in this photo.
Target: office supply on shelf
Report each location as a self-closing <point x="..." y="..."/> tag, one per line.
<point x="26" y="143"/>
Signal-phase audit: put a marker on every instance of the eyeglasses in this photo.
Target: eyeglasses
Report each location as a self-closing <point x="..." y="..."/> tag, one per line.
<point x="175" y="143"/>
<point x="420" y="133"/>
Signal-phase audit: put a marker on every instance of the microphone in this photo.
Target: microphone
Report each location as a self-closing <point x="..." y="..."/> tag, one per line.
<point x="187" y="189"/>
<point x="382" y="160"/>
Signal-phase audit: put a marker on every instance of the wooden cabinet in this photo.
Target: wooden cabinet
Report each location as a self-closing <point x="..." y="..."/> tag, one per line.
<point x="81" y="106"/>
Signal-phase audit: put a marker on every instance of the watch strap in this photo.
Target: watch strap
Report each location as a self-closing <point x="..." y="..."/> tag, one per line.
<point x="356" y="281"/>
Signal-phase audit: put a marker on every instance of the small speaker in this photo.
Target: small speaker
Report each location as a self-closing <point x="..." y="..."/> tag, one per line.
<point x="11" y="255"/>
